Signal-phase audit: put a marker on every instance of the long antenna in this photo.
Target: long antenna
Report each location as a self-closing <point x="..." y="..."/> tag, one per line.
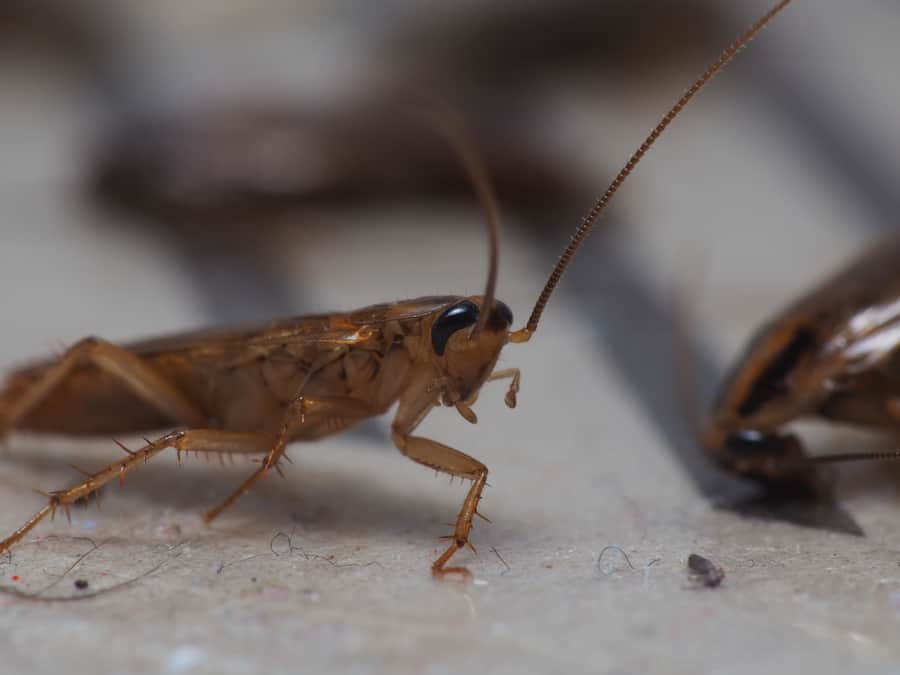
<point x="458" y="135"/>
<point x="523" y="334"/>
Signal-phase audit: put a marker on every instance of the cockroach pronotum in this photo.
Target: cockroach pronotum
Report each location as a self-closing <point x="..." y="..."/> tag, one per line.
<point x="834" y="354"/>
<point x="253" y="392"/>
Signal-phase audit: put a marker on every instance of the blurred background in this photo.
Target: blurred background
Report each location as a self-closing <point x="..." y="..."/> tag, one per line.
<point x="174" y="165"/>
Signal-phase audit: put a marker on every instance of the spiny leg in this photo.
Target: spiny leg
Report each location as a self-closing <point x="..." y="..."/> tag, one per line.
<point x="448" y="460"/>
<point x="305" y="418"/>
<point x="193" y="440"/>
<point x="133" y="371"/>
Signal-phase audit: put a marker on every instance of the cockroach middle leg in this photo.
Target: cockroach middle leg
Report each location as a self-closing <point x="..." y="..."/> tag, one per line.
<point x="294" y="425"/>
<point x="305" y="417"/>
<point x="127" y="367"/>
<point x="193" y="440"/>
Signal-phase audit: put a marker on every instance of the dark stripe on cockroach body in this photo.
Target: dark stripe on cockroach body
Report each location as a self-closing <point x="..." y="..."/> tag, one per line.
<point x="771" y="381"/>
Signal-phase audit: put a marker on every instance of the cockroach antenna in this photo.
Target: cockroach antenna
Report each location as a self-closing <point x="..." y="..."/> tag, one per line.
<point x="524" y="334"/>
<point x="451" y="126"/>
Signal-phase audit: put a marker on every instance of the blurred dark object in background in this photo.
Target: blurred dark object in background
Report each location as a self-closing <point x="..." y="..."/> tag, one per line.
<point x="61" y="28"/>
<point x="85" y="37"/>
<point x="209" y="168"/>
<point x="211" y="151"/>
<point x="215" y="174"/>
<point x="513" y="45"/>
<point x="220" y="168"/>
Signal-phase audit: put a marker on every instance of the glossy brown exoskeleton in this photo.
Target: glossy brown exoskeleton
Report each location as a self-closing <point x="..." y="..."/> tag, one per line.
<point x="252" y="392"/>
<point x="834" y="354"/>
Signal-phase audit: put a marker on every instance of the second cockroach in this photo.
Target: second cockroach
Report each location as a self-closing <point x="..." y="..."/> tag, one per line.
<point x="253" y="392"/>
<point x="834" y="354"/>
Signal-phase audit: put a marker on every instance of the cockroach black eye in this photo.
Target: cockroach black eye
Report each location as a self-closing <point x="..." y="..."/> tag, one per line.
<point x="501" y="317"/>
<point x="456" y="318"/>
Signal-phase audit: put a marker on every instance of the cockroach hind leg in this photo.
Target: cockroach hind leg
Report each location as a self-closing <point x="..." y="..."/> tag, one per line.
<point x="214" y="440"/>
<point x="125" y="367"/>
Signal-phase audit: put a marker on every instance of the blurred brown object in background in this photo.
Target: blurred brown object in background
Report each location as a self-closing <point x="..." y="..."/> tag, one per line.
<point x="513" y="45"/>
<point x="214" y="165"/>
<point x="222" y="167"/>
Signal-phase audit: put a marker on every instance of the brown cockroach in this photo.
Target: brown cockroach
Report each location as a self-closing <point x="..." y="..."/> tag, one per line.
<point x="253" y="392"/>
<point x="834" y="354"/>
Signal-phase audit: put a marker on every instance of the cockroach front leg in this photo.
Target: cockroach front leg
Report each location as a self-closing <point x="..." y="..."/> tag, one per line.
<point x="447" y="460"/>
<point x="135" y="373"/>
<point x="194" y="440"/>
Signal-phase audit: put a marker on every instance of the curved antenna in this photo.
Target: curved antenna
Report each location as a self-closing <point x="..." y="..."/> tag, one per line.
<point x="523" y="334"/>
<point x="456" y="133"/>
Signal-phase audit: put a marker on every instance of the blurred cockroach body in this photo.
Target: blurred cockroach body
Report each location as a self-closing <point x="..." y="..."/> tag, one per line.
<point x="254" y="392"/>
<point x="834" y="354"/>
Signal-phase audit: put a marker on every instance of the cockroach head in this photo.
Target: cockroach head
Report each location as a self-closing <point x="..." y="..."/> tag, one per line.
<point x="777" y="380"/>
<point x="464" y="354"/>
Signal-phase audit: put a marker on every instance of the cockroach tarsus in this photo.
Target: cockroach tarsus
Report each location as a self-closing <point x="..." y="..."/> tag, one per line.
<point x="255" y="391"/>
<point x="834" y="354"/>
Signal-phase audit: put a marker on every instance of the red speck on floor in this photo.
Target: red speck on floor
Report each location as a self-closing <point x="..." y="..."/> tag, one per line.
<point x="15" y="577"/>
